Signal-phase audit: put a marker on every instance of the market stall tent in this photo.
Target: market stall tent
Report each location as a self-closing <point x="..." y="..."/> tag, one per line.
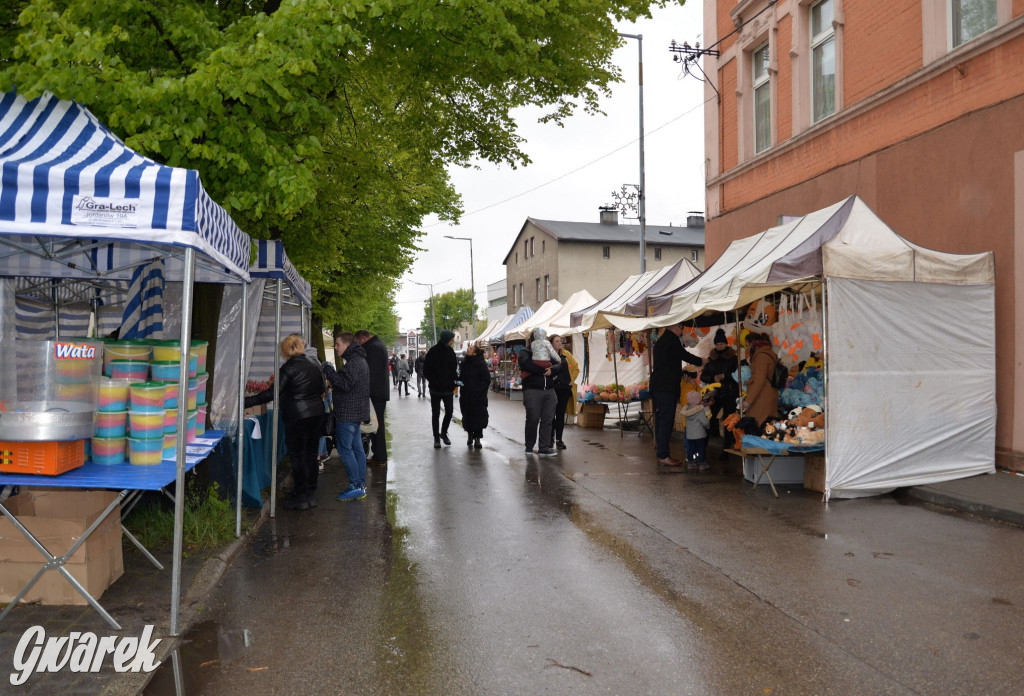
<point x="540" y="319"/>
<point x="510" y="323"/>
<point x="909" y="340"/>
<point x="76" y="204"/>
<point x="561" y="322"/>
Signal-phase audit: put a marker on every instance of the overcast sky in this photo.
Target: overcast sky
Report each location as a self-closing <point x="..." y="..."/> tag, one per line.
<point x="575" y="168"/>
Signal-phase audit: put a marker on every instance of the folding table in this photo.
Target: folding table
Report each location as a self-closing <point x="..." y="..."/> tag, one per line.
<point x="132" y="481"/>
<point x="759" y="448"/>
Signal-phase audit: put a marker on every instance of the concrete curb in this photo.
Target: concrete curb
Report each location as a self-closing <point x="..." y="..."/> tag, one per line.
<point x="959" y="502"/>
<point x="202" y="584"/>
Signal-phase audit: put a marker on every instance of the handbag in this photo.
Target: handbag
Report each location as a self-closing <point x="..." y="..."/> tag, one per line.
<point x="369" y="425"/>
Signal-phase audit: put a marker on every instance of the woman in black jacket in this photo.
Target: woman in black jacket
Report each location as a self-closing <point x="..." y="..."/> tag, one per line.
<point x="302" y="410"/>
<point x="476" y="381"/>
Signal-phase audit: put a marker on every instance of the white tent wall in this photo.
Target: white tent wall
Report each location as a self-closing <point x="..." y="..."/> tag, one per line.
<point x="224" y="391"/>
<point x="911" y="384"/>
<point x="8" y="333"/>
<point x="602" y="371"/>
<point x="265" y="351"/>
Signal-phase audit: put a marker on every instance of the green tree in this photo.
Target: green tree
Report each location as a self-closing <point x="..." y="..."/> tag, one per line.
<point x="328" y="124"/>
<point x="451" y="310"/>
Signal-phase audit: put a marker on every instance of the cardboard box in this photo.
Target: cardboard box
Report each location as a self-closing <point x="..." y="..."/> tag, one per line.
<point x="785" y="470"/>
<point x="58" y="519"/>
<point x="592" y="415"/>
<point x="814" y="472"/>
<point x="256" y="410"/>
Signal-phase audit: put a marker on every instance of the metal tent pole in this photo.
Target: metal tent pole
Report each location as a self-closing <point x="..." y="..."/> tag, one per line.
<point x="615" y="371"/>
<point x="277" y="402"/>
<point x="241" y="409"/>
<point x="179" y="481"/>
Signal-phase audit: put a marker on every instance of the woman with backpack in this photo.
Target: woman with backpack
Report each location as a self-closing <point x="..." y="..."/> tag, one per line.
<point x="762" y="398"/>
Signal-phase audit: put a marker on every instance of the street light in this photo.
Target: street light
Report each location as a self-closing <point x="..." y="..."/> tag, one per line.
<point x="643" y="187"/>
<point x="433" y="318"/>
<point x="472" y="288"/>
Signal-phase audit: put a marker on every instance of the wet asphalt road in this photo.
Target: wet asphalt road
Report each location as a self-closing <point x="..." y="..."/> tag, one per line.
<point x="493" y="572"/>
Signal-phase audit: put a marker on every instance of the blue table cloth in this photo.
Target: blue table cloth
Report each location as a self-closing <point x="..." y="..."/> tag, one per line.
<point x="776" y="447"/>
<point x="256" y="471"/>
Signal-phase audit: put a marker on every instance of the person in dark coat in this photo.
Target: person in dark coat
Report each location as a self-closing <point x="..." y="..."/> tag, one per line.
<point x="441" y="368"/>
<point x="421" y="381"/>
<point x="722" y="363"/>
<point x="350" y="387"/>
<point x="380" y="391"/>
<point x="539" y="401"/>
<point x="302" y="410"/>
<point x="668" y="355"/>
<point x="476" y="382"/>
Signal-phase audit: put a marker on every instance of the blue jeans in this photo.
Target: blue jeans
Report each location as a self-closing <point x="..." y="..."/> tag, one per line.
<point x="350" y="448"/>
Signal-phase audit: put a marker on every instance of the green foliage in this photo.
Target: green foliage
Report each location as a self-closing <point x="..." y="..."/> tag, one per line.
<point x="451" y="310"/>
<point x="328" y="124"/>
<point x="208" y="522"/>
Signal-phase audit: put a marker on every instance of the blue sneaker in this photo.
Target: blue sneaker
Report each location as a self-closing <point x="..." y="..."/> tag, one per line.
<point x="352" y="493"/>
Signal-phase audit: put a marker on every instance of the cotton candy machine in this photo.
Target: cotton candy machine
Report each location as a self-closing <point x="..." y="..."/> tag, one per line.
<point x="39" y="421"/>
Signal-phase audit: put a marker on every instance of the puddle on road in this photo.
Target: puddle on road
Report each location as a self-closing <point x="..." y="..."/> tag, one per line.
<point x="202" y="652"/>
<point x="270" y="545"/>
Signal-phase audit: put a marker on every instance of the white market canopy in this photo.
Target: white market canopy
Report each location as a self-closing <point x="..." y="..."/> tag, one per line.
<point x="631" y="293"/>
<point x="562" y="322"/>
<point x="75" y="202"/>
<point x="509" y="323"/>
<point x="541" y="318"/>
<point x="844" y="240"/>
<point x="489" y="330"/>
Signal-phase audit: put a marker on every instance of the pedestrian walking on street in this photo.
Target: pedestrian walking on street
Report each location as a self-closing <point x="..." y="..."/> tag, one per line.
<point x="402" y="365"/>
<point x="476" y="382"/>
<point x="421" y="381"/>
<point x="441" y="368"/>
<point x="668" y="355"/>
<point x="393" y="369"/>
<point x="302" y="410"/>
<point x="380" y="393"/>
<point x="539" y="400"/>
<point x="350" y="385"/>
<point x="564" y="387"/>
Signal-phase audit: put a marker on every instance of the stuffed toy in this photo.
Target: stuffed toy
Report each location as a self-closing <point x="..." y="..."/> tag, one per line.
<point x="730" y="423"/>
<point x="810" y="414"/>
<point x="805" y="436"/>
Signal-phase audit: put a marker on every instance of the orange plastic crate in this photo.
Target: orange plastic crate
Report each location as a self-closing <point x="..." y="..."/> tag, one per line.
<point x="47" y="458"/>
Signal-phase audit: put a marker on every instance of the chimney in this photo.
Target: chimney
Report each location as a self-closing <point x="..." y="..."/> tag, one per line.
<point x="694" y="218"/>
<point x="609" y="215"/>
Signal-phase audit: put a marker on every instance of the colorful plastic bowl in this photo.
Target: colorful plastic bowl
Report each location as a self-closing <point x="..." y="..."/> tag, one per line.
<point x="111" y="423"/>
<point x="146" y="424"/>
<point x="113" y="394"/>
<point x="201" y="420"/>
<point x="193" y="394"/>
<point x="171" y="420"/>
<point x="165" y="370"/>
<point x="145" y="451"/>
<point x="170" y="445"/>
<point x="108" y="450"/>
<point x="147" y="396"/>
<point x="201" y="394"/>
<point x="129" y="369"/>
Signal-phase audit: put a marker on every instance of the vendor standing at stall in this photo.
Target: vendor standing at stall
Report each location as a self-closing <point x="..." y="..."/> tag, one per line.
<point x="669" y="355"/>
<point x="762" y="398"/>
<point x="722" y="363"/>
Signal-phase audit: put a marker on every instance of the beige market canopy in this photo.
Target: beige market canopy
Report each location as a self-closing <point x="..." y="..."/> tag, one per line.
<point x="633" y="292"/>
<point x="540" y="319"/>
<point x="562" y="322"/>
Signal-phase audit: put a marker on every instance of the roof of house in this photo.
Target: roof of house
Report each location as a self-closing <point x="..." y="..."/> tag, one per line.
<point x="602" y="233"/>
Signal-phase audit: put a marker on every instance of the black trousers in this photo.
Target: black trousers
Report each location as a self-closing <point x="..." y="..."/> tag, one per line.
<point x="564" y="393"/>
<point x="664" y="418"/>
<point x="302" y="438"/>
<point x="436" y="399"/>
<point x="380" y="445"/>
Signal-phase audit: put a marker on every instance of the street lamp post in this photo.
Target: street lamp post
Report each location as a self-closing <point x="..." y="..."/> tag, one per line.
<point x="472" y="288"/>
<point x="433" y="317"/>
<point x="643" y="187"/>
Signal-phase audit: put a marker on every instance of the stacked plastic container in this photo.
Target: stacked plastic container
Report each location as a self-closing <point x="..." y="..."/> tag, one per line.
<point x="166" y="369"/>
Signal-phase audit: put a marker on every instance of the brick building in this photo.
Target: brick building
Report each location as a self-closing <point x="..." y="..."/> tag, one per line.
<point x="552" y="259"/>
<point x="916" y="106"/>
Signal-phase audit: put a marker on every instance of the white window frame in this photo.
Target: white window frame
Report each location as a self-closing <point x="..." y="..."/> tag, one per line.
<point x="758" y="82"/>
<point x="606" y="252"/>
<point x="950" y="26"/>
<point x="538" y="289"/>
<point x="817" y="41"/>
<point x="547" y="287"/>
<point x="657" y="253"/>
<point x="693" y="255"/>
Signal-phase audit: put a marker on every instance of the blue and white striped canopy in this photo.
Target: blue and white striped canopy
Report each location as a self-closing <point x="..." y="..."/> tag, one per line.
<point x="272" y="262"/>
<point x="75" y="202"/>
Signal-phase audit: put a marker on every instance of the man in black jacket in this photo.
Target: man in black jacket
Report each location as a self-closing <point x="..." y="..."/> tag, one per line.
<point x="421" y="381"/>
<point x="441" y="367"/>
<point x="380" y="390"/>
<point x="668" y="355"/>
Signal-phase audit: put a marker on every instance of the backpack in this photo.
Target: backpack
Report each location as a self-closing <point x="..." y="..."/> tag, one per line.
<point x="779" y="377"/>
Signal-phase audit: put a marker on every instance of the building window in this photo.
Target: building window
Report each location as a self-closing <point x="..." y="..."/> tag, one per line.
<point x="517" y="258"/>
<point x="606" y="252"/>
<point x="762" y="100"/>
<point x="542" y="245"/>
<point x="533" y="250"/>
<point x="823" y="61"/>
<point x="547" y="284"/>
<point x="538" y="289"/>
<point x="657" y="253"/>
<point x="693" y="255"/>
<point x="513" y="295"/>
<point x="970" y="18"/>
<point x="522" y="295"/>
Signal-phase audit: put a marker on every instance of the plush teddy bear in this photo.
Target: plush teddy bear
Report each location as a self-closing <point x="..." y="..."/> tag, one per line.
<point x="810" y="414"/>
